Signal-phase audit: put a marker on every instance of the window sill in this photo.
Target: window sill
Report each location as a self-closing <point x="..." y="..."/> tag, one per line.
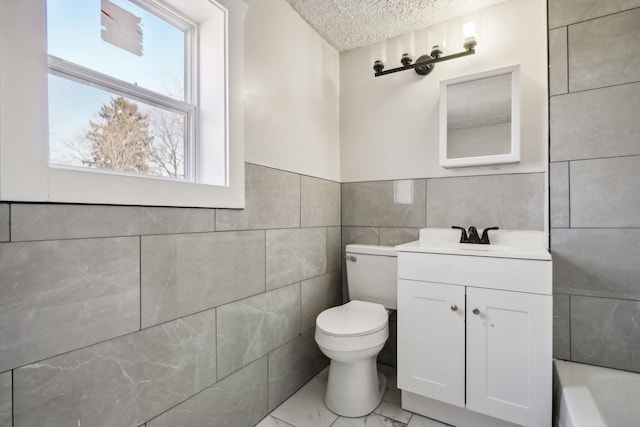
<point x="24" y="171"/>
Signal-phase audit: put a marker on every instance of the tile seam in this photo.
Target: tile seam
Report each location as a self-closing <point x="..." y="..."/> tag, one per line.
<point x="106" y="340"/>
<point x="568" y="24"/>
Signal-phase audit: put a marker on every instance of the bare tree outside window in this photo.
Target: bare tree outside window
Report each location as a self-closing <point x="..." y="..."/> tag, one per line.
<point x="124" y="138"/>
<point x="120" y="139"/>
<point x="166" y="152"/>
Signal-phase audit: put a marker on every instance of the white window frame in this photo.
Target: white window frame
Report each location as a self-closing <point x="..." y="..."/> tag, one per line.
<point x="25" y="174"/>
<point x="85" y="76"/>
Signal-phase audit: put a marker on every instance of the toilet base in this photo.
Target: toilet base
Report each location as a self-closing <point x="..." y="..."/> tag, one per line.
<point x="354" y="389"/>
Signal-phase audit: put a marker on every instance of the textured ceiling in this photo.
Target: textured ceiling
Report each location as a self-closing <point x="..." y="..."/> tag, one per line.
<point x="347" y="24"/>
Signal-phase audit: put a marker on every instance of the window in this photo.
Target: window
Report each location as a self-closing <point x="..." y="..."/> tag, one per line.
<point x="122" y="102"/>
<point x="121" y="87"/>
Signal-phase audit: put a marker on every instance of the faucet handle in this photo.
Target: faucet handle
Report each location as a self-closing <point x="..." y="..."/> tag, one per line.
<point x="463" y="237"/>
<point x="485" y="235"/>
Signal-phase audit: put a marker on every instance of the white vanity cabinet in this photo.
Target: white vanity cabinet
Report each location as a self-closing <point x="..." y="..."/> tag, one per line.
<point x="475" y="335"/>
<point x="431" y="347"/>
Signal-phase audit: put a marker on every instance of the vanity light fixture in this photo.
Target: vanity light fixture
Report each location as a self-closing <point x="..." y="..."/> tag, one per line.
<point x="425" y="63"/>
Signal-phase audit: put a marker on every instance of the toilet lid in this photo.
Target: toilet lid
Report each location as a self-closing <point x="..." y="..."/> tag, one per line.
<point x="352" y="319"/>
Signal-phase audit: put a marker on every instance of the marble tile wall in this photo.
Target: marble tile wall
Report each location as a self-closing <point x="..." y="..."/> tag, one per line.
<point x="121" y="315"/>
<point x="293" y="364"/>
<point x="273" y="201"/>
<point x="6" y="407"/>
<point x="56" y="222"/>
<point x="5" y="224"/>
<point x="240" y="400"/>
<point x="384" y="203"/>
<point x="393" y="212"/>
<point x="566" y="12"/>
<point x="317" y="294"/>
<point x="614" y="39"/>
<point x="617" y="341"/>
<point x="378" y="212"/>
<point x="513" y="202"/>
<point x="185" y="273"/>
<point x="295" y="254"/>
<point x="315" y="194"/>
<point x="124" y="381"/>
<point x="594" y="176"/>
<point x="61" y="295"/>
<point x="252" y="327"/>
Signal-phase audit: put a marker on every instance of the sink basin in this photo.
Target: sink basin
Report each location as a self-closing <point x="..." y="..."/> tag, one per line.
<point x="519" y="244"/>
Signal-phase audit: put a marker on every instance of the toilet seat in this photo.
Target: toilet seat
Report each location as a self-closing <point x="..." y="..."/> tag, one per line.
<point x="353" y="319"/>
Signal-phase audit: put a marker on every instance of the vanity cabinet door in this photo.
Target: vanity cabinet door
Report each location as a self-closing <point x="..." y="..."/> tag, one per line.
<point x="431" y="355"/>
<point x="509" y="355"/>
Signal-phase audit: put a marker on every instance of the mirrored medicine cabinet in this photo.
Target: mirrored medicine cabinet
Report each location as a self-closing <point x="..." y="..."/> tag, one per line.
<point x="480" y="119"/>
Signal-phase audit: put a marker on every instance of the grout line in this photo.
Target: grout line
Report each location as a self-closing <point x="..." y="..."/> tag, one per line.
<point x="300" y="304"/>
<point x="570" y="327"/>
<point x="593" y="19"/>
<point x="123" y="236"/>
<point x="292" y="172"/>
<point x="10" y="206"/>
<point x="426" y="202"/>
<point x="27" y="202"/>
<point x="300" y="201"/>
<point x="281" y="420"/>
<point x="592" y="89"/>
<point x="624" y="156"/>
<point x="568" y="192"/>
<point x="596" y="228"/>
<point x="548" y="165"/>
<point x="118" y="336"/>
<point x="567" y="60"/>
<point x="116" y="236"/>
<point x="548" y="34"/>
<point x="342" y="246"/>
<point x="140" y="278"/>
<point x="203" y="390"/>
<point x="587" y="159"/>
<point x="607" y="297"/>
<point x="215" y="342"/>
<point x="267" y="356"/>
<point x="13" y="400"/>
<point x="444" y="177"/>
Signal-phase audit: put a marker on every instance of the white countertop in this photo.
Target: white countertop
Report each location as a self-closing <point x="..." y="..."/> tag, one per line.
<point x="504" y="244"/>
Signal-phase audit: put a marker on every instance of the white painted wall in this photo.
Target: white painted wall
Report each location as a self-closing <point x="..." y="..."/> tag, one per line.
<point x="389" y="124"/>
<point x="292" y="94"/>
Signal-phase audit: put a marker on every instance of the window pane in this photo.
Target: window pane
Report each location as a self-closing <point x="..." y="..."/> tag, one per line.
<point x="120" y="39"/>
<point x="90" y="127"/>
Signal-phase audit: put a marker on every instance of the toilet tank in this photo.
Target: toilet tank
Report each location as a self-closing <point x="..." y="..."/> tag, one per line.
<point x="372" y="274"/>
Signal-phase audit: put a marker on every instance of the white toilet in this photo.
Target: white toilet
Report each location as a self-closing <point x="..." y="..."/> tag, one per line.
<point x="353" y="334"/>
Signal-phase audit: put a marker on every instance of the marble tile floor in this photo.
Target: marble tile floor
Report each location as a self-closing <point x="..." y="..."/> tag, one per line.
<point x="306" y="408"/>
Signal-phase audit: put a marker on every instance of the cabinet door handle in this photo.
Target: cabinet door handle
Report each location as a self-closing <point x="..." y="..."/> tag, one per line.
<point x="476" y="311"/>
<point x="454" y="307"/>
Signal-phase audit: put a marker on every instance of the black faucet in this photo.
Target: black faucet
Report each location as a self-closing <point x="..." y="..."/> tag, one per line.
<point x="473" y="237"/>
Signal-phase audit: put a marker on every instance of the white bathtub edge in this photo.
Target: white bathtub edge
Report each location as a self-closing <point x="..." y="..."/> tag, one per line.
<point x="577" y="407"/>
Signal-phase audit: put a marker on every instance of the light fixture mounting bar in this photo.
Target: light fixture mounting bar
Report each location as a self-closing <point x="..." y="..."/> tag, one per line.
<point x="425" y="63"/>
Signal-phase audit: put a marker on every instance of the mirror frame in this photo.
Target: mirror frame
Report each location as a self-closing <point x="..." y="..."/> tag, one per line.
<point x="514" y="155"/>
